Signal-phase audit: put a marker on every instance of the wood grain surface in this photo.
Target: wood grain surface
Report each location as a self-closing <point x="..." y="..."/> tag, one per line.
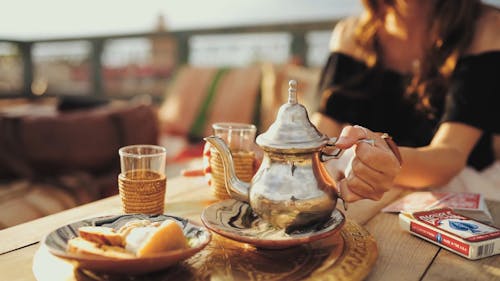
<point x="401" y="255"/>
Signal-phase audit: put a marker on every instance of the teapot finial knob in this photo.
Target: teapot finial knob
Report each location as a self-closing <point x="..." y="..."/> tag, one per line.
<point x="292" y="91"/>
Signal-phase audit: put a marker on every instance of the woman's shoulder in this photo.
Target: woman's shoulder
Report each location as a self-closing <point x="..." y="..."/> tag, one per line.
<point x="343" y="39"/>
<point x="486" y="37"/>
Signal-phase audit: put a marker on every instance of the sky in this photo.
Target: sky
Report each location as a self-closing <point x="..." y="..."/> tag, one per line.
<point x="35" y="19"/>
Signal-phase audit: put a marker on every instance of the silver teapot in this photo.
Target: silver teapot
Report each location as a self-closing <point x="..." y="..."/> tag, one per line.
<point x="292" y="188"/>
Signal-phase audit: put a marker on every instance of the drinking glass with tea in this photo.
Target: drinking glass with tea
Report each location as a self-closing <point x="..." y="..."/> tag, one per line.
<point x="240" y="137"/>
<point x="142" y="182"/>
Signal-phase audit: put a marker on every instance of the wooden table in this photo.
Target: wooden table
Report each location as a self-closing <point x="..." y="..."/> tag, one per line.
<point x="401" y="255"/>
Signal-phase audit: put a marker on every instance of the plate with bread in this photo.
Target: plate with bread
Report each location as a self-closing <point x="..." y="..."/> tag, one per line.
<point x="127" y="244"/>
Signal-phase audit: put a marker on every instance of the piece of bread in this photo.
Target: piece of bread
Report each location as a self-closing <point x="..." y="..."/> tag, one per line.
<point x="145" y="241"/>
<point x="135" y="239"/>
<point x="80" y="245"/>
<point x="125" y="229"/>
<point x="101" y="235"/>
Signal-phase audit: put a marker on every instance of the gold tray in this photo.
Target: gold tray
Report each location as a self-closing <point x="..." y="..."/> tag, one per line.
<point x="347" y="255"/>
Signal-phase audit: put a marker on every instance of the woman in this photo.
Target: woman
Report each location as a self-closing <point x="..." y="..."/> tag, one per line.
<point x="424" y="72"/>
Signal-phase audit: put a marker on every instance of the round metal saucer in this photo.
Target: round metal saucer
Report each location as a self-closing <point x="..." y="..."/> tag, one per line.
<point x="235" y="220"/>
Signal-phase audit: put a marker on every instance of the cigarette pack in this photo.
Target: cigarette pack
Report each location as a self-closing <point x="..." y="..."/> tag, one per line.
<point x="459" y="234"/>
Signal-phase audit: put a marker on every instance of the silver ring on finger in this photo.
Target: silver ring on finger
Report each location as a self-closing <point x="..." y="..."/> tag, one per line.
<point x="368" y="141"/>
<point x="365" y="139"/>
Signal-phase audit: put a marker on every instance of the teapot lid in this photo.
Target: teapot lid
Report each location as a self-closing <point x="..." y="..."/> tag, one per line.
<point x="292" y="129"/>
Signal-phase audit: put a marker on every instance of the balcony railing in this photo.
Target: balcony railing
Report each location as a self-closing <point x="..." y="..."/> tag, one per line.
<point x="126" y="65"/>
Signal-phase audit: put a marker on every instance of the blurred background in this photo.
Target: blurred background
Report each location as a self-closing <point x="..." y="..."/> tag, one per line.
<point x="50" y="18"/>
<point x="122" y="49"/>
<point x="183" y="63"/>
<point x="126" y="48"/>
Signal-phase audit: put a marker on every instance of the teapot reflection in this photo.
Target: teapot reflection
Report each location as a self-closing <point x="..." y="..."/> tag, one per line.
<point x="292" y="188"/>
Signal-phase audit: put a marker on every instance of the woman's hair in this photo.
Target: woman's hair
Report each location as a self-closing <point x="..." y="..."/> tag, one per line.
<point x="451" y="28"/>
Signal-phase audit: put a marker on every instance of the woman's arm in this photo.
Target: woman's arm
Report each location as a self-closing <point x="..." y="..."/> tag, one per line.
<point x="431" y="165"/>
<point x="441" y="160"/>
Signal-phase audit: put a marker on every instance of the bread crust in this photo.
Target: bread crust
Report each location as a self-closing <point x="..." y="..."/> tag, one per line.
<point x="101" y="235"/>
<point x="79" y="245"/>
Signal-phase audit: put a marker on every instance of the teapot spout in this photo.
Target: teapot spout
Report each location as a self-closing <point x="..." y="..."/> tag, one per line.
<point x="236" y="188"/>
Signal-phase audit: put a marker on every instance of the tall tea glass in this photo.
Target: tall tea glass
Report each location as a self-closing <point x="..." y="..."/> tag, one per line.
<point x="240" y="137"/>
<point x="142" y="182"/>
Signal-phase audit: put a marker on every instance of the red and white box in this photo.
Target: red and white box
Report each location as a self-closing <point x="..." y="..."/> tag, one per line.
<point x="454" y="232"/>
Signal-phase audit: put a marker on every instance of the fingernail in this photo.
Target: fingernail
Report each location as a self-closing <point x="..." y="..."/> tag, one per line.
<point x="344" y="142"/>
<point x="341" y="140"/>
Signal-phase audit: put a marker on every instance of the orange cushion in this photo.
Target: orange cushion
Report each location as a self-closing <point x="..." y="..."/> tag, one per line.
<point x="234" y="99"/>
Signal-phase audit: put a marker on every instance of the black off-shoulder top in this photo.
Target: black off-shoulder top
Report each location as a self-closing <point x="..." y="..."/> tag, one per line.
<point x="375" y="98"/>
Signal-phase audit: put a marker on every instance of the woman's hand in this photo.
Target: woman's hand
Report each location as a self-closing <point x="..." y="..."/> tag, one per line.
<point x="373" y="167"/>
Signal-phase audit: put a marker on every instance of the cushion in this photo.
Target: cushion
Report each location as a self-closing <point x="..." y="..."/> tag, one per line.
<point x="200" y="96"/>
<point x="47" y="144"/>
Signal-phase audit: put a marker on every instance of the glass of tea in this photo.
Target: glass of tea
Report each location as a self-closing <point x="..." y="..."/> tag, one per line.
<point x="142" y="182"/>
<point x="240" y="137"/>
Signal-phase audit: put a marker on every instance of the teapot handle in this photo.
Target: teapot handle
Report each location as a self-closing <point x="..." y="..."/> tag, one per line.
<point x="337" y="152"/>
